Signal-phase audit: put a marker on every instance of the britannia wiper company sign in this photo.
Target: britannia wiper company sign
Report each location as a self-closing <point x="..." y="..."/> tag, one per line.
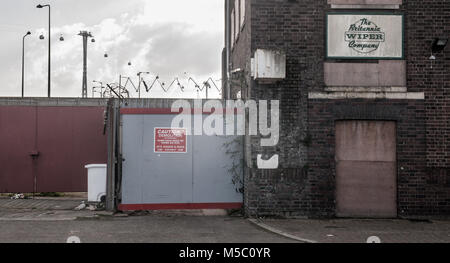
<point x="365" y="36"/>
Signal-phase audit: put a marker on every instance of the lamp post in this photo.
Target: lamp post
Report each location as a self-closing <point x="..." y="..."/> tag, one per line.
<point x="49" y="46"/>
<point x="23" y="62"/>
<point x="439" y="44"/>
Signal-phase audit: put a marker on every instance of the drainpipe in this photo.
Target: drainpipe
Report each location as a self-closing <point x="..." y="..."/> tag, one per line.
<point x="228" y="48"/>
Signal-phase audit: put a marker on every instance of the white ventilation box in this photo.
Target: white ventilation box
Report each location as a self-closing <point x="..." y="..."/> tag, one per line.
<point x="269" y="65"/>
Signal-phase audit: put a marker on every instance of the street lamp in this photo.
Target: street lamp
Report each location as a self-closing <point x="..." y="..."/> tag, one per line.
<point x="23" y="62"/>
<point x="49" y="45"/>
<point x="439" y="44"/>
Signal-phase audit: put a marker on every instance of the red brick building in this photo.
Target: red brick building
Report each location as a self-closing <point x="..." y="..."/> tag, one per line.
<point x="364" y="97"/>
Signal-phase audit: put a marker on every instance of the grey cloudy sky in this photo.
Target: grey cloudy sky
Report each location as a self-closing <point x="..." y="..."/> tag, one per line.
<point x="169" y="38"/>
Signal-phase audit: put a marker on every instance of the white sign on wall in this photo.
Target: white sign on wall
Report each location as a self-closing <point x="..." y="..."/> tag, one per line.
<point x="364" y="36"/>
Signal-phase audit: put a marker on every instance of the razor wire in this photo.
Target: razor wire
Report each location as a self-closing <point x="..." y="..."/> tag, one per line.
<point x="123" y="90"/>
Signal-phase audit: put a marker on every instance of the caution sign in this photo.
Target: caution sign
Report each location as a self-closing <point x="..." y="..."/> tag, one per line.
<point x="168" y="140"/>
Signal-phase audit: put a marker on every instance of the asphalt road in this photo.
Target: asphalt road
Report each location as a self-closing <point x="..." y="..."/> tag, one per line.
<point x="54" y="221"/>
<point x="146" y="229"/>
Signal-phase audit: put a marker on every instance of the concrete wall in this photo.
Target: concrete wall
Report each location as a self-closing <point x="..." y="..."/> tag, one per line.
<point x="61" y="102"/>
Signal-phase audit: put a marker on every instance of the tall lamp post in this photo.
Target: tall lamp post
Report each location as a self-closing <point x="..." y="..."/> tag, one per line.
<point x="49" y="45"/>
<point x="23" y="62"/>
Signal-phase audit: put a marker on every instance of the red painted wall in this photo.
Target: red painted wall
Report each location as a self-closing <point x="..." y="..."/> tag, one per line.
<point x="67" y="139"/>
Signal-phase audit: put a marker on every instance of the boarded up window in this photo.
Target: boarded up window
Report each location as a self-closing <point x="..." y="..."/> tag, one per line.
<point x="366" y="179"/>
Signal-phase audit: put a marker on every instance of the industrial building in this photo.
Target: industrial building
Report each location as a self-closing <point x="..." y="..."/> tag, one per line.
<point x="364" y="104"/>
<point x="363" y="92"/>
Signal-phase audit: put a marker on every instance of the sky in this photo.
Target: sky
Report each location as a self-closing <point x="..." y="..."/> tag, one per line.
<point x="168" y="38"/>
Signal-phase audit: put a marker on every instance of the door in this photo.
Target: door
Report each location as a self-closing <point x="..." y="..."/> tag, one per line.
<point x="68" y="138"/>
<point x="17" y="142"/>
<point x="366" y="169"/>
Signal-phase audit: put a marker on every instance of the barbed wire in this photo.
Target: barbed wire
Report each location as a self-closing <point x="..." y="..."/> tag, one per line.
<point x="114" y="89"/>
<point x="205" y="84"/>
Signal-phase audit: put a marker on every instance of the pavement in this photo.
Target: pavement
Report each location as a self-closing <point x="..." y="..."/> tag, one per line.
<point x="40" y="203"/>
<point x="360" y="230"/>
<point x="54" y="221"/>
<point x="41" y="209"/>
<point x="142" y="229"/>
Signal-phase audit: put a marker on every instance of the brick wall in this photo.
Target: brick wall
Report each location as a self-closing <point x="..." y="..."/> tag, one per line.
<point x="304" y="184"/>
<point x="425" y="21"/>
<point x="240" y="57"/>
<point x="296" y="28"/>
<point x="418" y="194"/>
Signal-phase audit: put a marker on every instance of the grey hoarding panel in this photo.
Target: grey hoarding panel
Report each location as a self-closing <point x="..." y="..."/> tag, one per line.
<point x="132" y="137"/>
<point x="167" y="177"/>
<point x="149" y="177"/>
<point x="201" y="175"/>
<point x="212" y="178"/>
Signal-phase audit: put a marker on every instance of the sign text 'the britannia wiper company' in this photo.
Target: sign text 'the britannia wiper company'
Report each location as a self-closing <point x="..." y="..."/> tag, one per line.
<point x="360" y="36"/>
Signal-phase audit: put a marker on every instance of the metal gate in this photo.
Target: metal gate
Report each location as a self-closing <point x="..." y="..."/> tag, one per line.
<point x="45" y="149"/>
<point x="167" y="169"/>
<point x="366" y="183"/>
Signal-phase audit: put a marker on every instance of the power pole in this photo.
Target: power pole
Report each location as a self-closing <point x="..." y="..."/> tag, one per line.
<point x="85" y="36"/>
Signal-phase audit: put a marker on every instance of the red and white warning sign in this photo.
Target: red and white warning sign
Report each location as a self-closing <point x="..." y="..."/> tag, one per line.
<point x="168" y="140"/>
